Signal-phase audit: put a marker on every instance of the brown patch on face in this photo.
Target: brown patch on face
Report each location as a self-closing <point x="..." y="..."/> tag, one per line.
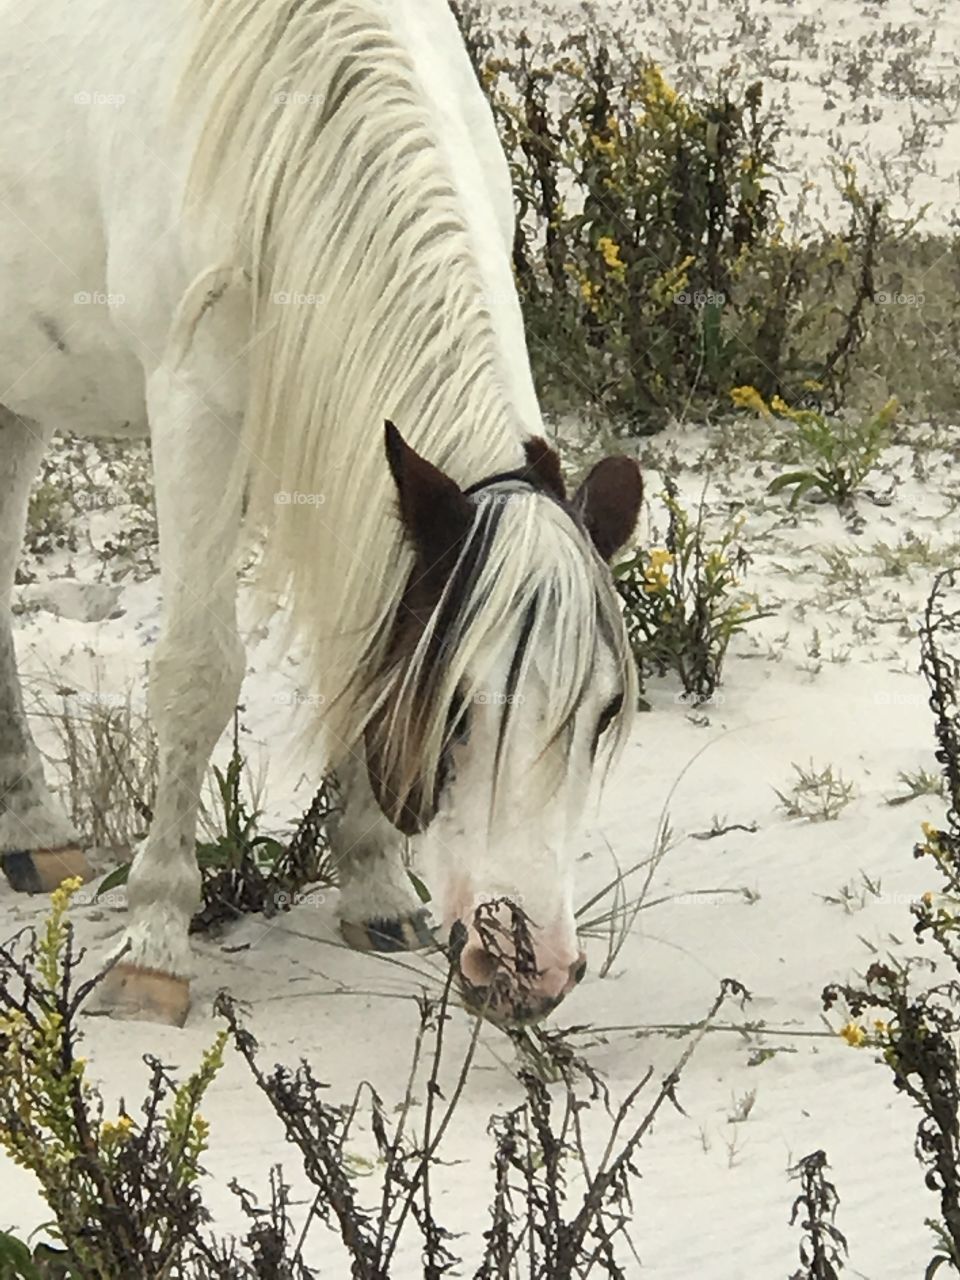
<point x="405" y="806"/>
<point x="437" y="518"/>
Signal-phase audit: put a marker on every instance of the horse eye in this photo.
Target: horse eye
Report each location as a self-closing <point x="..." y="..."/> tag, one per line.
<point x="458" y="720"/>
<point x="608" y="715"/>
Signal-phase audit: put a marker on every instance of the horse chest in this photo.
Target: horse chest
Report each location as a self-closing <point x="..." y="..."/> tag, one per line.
<point x="80" y="378"/>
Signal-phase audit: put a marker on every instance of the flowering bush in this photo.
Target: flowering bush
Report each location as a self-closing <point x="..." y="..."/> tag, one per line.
<point x="682" y="603"/>
<point x="653" y="265"/>
<point x="120" y="1191"/>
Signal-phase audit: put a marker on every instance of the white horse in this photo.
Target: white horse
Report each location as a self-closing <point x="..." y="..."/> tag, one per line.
<point x="257" y="229"/>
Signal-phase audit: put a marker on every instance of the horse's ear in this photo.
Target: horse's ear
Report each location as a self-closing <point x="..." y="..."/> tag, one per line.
<point x="436" y="515"/>
<point x="544" y="464"/>
<point x="609" y="503"/>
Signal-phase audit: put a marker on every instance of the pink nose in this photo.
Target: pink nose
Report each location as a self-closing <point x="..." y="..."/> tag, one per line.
<point x="492" y="986"/>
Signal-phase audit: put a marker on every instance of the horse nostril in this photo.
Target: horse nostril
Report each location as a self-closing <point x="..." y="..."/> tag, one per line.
<point x="478" y="966"/>
<point x="578" y="969"/>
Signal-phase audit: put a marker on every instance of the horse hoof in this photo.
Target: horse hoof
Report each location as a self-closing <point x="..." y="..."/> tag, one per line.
<point x="144" y="995"/>
<point x="43" y="870"/>
<point x="401" y="933"/>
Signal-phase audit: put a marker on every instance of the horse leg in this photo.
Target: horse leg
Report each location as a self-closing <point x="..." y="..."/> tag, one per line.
<point x="195" y="679"/>
<point x="37" y="840"/>
<point x="379" y="910"/>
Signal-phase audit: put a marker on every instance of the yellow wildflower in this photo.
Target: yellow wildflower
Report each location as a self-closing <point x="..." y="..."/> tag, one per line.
<point x="590" y="292"/>
<point x="882" y="1028"/>
<point x="608" y="147"/>
<point x="611" y="256"/>
<point x="854" y="1034"/>
<point x="750" y="398"/>
<point x="657" y="88"/>
<point x="674" y="281"/>
<point x="656" y="578"/>
<point x="116" y="1130"/>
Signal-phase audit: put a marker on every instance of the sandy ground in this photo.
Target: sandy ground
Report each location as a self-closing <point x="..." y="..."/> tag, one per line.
<point x="831" y="678"/>
<point x="714" y="1199"/>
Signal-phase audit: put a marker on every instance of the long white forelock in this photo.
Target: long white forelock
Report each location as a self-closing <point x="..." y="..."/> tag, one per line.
<point x="344" y="196"/>
<point x="536" y="557"/>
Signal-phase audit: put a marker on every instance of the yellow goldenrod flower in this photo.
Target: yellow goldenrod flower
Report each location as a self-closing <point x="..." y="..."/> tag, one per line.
<point x="611" y="256"/>
<point x="882" y="1028"/>
<point x="854" y="1034"/>
<point x="116" y="1130"/>
<point x="750" y="398"/>
<point x="658" y="91"/>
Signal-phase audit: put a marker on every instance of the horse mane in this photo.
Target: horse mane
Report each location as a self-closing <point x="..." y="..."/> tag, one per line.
<point x="344" y="192"/>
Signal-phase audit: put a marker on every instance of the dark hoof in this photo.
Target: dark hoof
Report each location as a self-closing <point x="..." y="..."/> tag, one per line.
<point x="43" y="870"/>
<point x="409" y="933"/>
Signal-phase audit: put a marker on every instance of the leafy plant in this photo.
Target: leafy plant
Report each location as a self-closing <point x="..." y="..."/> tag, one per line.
<point x="837" y="453"/>
<point x="823" y="1242"/>
<point x="682" y="606"/>
<point x="913" y="1024"/>
<point x="242" y="868"/>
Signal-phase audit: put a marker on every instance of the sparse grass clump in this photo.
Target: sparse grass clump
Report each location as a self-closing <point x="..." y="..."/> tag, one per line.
<point x="818" y="795"/>
<point x="105" y="765"/>
<point x="919" y="782"/>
